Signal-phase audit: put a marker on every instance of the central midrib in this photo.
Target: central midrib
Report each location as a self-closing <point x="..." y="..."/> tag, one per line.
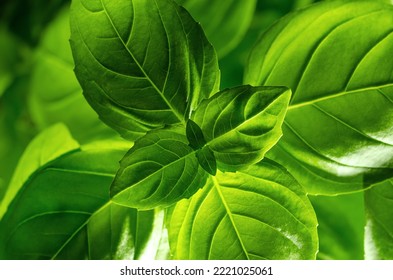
<point x="175" y="112"/>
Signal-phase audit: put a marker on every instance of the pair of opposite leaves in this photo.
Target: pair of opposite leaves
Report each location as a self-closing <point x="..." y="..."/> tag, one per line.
<point x="328" y="145"/>
<point x="149" y="65"/>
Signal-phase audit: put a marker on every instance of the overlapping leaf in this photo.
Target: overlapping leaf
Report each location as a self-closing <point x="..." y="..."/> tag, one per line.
<point x="224" y="22"/>
<point x="241" y="124"/>
<point x="379" y="226"/>
<point x="159" y="170"/>
<point x="336" y="58"/>
<point x="340" y="226"/>
<point x="62" y="210"/>
<point x="55" y="95"/>
<point x="147" y="65"/>
<point x="260" y="212"/>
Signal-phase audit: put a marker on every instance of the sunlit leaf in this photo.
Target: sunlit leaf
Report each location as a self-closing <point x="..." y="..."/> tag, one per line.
<point x="336" y="58"/>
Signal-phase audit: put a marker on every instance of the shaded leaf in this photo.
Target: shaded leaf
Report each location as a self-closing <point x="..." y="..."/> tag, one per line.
<point x="225" y="22"/>
<point x="55" y="94"/>
<point x="260" y="212"/>
<point x="207" y="160"/>
<point x="148" y="65"/>
<point x="336" y="58"/>
<point x="241" y="124"/>
<point x="340" y="226"/>
<point x="159" y="170"/>
<point x="195" y="135"/>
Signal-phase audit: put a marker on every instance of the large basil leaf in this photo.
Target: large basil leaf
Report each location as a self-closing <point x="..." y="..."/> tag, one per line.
<point x="62" y="210"/>
<point x="159" y="170"/>
<point x="55" y="95"/>
<point x="147" y="65"/>
<point x="379" y="226"/>
<point x="257" y="213"/>
<point x="340" y="226"/>
<point x="336" y="58"/>
<point x="241" y="124"/>
<point x="225" y="22"/>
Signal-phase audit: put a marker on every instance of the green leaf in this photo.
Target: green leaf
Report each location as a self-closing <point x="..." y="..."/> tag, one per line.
<point x="260" y="212"/>
<point x="55" y="94"/>
<point x="47" y="146"/>
<point x="159" y="170"/>
<point x="340" y="226"/>
<point x="241" y="124"/>
<point x="379" y="226"/>
<point x="62" y="210"/>
<point x="336" y="58"/>
<point x="207" y="160"/>
<point x="225" y="22"/>
<point x="142" y="64"/>
<point x="195" y="135"/>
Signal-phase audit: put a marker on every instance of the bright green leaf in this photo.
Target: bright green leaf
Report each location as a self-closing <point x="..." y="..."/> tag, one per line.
<point x="241" y="124"/>
<point x="55" y="94"/>
<point x="147" y="65"/>
<point x="340" y="226"/>
<point x="62" y="210"/>
<point x="225" y="22"/>
<point x="159" y="170"/>
<point x="336" y="58"/>
<point x="47" y="146"/>
<point x="260" y="212"/>
<point x="379" y="226"/>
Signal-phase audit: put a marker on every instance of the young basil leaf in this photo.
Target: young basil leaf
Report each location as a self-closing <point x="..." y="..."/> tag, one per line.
<point x="260" y="212"/>
<point x="225" y="23"/>
<point x="146" y="66"/>
<point x="195" y="135"/>
<point x="207" y="160"/>
<point x="241" y="124"/>
<point x="159" y="170"/>
<point x="54" y="92"/>
<point x="336" y="58"/>
<point x="379" y="226"/>
<point x="62" y="210"/>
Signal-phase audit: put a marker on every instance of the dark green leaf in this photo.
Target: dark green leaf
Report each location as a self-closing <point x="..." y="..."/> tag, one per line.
<point x="225" y="22"/>
<point x="207" y="160"/>
<point x="142" y="64"/>
<point x="159" y="170"/>
<point x="241" y="124"/>
<point x="62" y="210"/>
<point x="379" y="225"/>
<point x="257" y="213"/>
<point x="336" y="58"/>
<point x="195" y="135"/>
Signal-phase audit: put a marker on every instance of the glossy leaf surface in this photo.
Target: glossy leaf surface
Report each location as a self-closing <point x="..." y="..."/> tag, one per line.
<point x="241" y="124"/>
<point x="225" y="22"/>
<point x="260" y="212"/>
<point x="148" y="65"/>
<point x="379" y="226"/>
<point x="159" y="170"/>
<point x="336" y="58"/>
<point x="78" y="221"/>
